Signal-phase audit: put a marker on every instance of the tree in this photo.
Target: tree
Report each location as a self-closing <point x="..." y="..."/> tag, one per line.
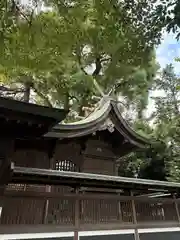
<point x="167" y="14"/>
<point x="146" y="164"/>
<point x="163" y="160"/>
<point x="167" y="120"/>
<point x="149" y="164"/>
<point x="80" y="43"/>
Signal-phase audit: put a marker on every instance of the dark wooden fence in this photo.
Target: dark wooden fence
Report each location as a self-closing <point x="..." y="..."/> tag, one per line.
<point x="160" y="236"/>
<point x="109" y="237"/>
<point x="27" y="208"/>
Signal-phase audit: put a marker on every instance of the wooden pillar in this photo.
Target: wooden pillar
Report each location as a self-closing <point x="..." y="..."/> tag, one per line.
<point x="134" y="218"/>
<point x="46" y="206"/>
<point x="177" y="208"/>
<point x="51" y="152"/>
<point x="77" y="215"/>
<point x="76" y="235"/>
<point x="119" y="210"/>
<point x="6" y="150"/>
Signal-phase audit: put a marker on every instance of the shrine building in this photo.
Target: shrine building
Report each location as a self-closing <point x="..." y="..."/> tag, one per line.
<point x="58" y="177"/>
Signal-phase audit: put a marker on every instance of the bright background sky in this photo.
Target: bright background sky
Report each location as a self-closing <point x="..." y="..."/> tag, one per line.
<point x="168" y="51"/>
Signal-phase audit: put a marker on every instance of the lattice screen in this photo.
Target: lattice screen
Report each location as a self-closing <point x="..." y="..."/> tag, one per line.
<point x="65" y="165"/>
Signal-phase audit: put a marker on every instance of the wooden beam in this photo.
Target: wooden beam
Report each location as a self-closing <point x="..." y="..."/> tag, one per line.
<point x="54" y="177"/>
<point x="22" y="228"/>
<point x="81" y="196"/>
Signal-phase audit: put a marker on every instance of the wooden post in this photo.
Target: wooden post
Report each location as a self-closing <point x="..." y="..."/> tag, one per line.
<point x="76" y="235"/>
<point x="76" y="222"/>
<point x="135" y="219"/>
<point x="46" y="206"/>
<point x="119" y="210"/>
<point x="48" y="188"/>
<point x="177" y="209"/>
<point x="6" y="151"/>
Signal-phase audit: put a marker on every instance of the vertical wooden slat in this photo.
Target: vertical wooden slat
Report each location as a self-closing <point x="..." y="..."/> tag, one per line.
<point x="46" y="206"/>
<point x="48" y="189"/>
<point x="77" y="216"/>
<point x="177" y="209"/>
<point x="76" y="235"/>
<point x="135" y="219"/>
<point x="119" y="210"/>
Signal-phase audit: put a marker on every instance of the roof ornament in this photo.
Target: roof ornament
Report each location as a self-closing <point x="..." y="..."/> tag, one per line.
<point x="108" y="124"/>
<point x="107" y="97"/>
<point x="104" y="97"/>
<point x="101" y="101"/>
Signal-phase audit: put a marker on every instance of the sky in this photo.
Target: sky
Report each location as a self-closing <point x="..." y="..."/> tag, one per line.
<point x="168" y="51"/>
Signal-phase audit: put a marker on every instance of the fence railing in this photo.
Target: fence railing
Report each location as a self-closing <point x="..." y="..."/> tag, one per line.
<point x="54" y="207"/>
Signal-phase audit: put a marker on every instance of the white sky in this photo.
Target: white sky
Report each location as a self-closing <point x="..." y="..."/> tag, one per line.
<point x="168" y="51"/>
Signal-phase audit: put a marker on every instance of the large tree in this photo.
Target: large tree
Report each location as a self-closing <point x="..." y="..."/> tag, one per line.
<point x="59" y="53"/>
<point x="167" y="118"/>
<point x="163" y="160"/>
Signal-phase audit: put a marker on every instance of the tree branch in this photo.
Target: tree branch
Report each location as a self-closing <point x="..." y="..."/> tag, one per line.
<point x="10" y="90"/>
<point x="41" y="95"/>
<point x="18" y="9"/>
<point x="98" y="66"/>
<point x="96" y="71"/>
<point x="78" y="54"/>
<point x="106" y="59"/>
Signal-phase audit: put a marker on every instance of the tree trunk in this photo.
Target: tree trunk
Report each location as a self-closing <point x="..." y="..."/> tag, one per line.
<point x="27" y="90"/>
<point x="66" y="102"/>
<point x="140" y="114"/>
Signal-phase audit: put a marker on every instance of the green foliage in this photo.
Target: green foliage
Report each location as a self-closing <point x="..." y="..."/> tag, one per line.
<point x="58" y="50"/>
<point x="7" y="20"/>
<point x="168" y="121"/>
<point x="167" y="14"/>
<point x="162" y="161"/>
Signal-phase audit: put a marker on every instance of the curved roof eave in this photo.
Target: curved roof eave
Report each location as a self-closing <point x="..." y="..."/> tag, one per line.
<point x="125" y="129"/>
<point x="83" y="127"/>
<point x="94" y="123"/>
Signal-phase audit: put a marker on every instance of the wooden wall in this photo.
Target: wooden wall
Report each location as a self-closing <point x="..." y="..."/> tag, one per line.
<point x="31" y="158"/>
<point x="96" y="157"/>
